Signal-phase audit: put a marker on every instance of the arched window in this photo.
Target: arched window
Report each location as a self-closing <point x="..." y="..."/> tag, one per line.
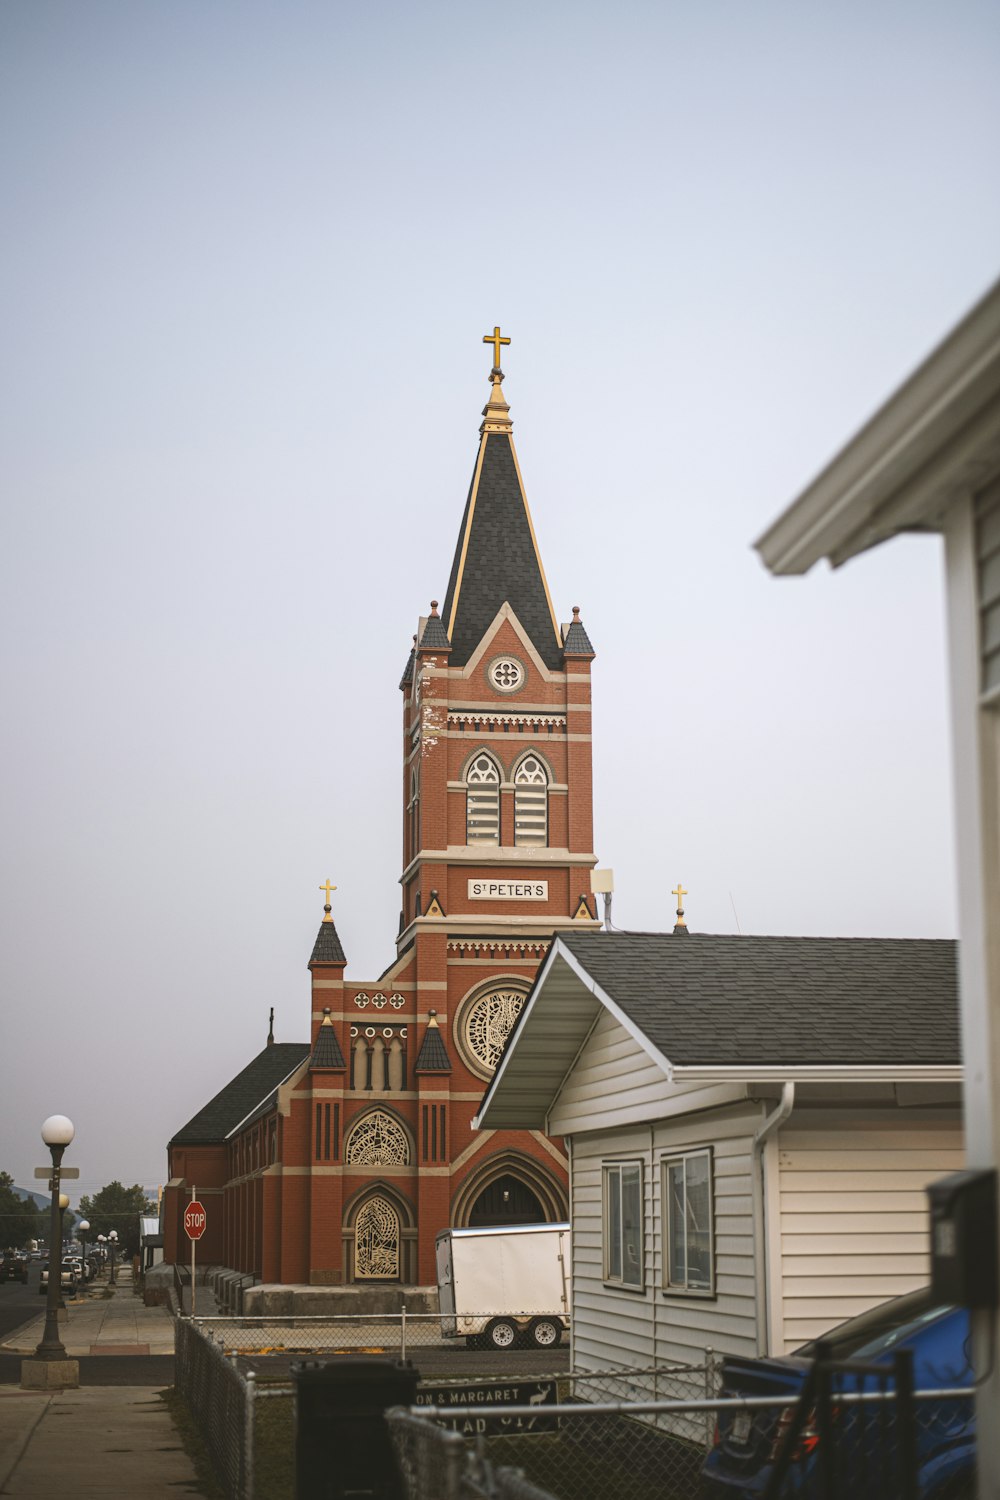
<point x="531" y="796"/>
<point x="377" y="1140"/>
<point x="376" y="1241"/>
<point x="414" y="811"/>
<point x="482" y="808"/>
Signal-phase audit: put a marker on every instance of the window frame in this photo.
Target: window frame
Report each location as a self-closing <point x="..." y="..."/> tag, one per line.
<point x="614" y="1172"/>
<point x="473" y="789"/>
<point x="669" y="1287"/>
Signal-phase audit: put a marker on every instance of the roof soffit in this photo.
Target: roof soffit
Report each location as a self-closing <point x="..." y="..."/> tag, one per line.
<point x="937" y="434"/>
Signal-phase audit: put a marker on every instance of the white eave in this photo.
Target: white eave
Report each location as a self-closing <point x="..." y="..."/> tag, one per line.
<point x="936" y="438"/>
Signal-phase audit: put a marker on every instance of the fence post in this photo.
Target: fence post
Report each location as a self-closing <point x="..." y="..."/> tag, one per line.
<point x="248" y="1434"/>
<point x="709" y="1393"/>
<point x="402" y="1336"/>
<point x="906" y="1424"/>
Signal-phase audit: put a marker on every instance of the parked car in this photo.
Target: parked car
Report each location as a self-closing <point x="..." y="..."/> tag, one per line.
<point x="69" y="1277"/>
<point x="746" y="1442"/>
<point x="13" y="1267"/>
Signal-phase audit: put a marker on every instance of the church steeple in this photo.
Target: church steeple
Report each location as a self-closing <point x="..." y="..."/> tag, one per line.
<point x="497" y="558"/>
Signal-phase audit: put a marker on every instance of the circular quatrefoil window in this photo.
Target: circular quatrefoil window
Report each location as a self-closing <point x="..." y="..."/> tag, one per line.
<point x="506" y="674"/>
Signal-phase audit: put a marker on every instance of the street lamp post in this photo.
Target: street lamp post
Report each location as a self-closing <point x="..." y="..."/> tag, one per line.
<point x="113" y="1241"/>
<point x="57" y="1132"/>
<point x="63" y="1205"/>
<point x="83" y="1226"/>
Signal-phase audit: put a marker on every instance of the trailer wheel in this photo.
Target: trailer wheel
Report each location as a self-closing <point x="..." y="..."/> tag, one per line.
<point x="501" y="1334"/>
<point x="545" y="1333"/>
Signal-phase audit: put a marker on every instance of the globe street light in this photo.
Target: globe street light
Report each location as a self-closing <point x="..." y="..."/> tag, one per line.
<point x="113" y="1240"/>
<point x="57" y="1132"/>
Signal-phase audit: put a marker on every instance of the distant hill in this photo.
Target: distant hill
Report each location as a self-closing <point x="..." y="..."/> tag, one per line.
<point x="40" y="1200"/>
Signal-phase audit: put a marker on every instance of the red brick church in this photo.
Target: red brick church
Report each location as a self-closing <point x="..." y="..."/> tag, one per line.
<point x="339" y="1160"/>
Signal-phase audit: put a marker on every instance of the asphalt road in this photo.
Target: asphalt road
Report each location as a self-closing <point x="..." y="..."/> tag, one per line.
<point x="19" y="1304"/>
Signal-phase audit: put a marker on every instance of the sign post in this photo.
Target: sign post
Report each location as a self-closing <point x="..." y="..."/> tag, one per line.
<point x="195" y="1222"/>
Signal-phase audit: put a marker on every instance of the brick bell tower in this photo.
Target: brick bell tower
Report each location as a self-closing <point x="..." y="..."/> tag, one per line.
<point x="497" y="853"/>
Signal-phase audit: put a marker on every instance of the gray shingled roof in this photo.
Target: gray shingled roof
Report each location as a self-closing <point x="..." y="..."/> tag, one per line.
<point x="577" y="642"/>
<point x="407" y="676"/>
<point x="501" y="564"/>
<point x="433" y="1055"/>
<point x="731" y="1001"/>
<point x="327" y="1053"/>
<point x="327" y="948"/>
<point x="435" y="637"/>
<point x="242" y="1095"/>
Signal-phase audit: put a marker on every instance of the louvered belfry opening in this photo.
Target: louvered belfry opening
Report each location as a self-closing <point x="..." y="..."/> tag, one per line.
<point x="483" y="805"/>
<point x="531" y="786"/>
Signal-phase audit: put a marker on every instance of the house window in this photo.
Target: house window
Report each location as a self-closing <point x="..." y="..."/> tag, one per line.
<point x="689" y="1251"/>
<point x="531" y="790"/>
<point x="482" y="815"/>
<point x="623" y="1223"/>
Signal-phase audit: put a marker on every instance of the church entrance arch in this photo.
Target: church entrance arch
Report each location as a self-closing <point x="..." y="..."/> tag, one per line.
<point x="507" y="1200"/>
<point x="509" y="1188"/>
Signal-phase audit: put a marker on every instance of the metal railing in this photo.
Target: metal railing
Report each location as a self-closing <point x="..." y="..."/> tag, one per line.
<point x="399" y="1334"/>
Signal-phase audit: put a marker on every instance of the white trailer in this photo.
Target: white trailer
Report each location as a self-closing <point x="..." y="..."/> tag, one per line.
<point x="506" y="1285"/>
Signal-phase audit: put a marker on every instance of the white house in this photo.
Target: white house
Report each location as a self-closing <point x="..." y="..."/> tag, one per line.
<point x="929" y="460"/>
<point x="750" y="1124"/>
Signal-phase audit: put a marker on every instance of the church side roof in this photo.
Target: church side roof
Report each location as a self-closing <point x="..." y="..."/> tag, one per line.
<point x="497" y="559"/>
<point x="242" y="1095"/>
<point x="577" y="642"/>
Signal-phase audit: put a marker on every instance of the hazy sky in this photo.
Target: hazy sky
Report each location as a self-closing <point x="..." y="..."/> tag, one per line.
<point x="249" y="253"/>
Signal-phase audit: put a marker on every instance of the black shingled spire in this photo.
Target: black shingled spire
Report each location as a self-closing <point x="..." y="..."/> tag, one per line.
<point x="433" y="1055"/>
<point x="327" y="949"/>
<point x="434" y="637"/>
<point x="496" y="560"/>
<point x="327" y="1053"/>
<point x="577" y="642"/>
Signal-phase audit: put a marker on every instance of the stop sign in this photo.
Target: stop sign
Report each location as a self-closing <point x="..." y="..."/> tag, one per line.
<point x="195" y="1220"/>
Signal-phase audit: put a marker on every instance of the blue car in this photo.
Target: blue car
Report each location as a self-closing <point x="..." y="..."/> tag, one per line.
<point x="746" y="1442"/>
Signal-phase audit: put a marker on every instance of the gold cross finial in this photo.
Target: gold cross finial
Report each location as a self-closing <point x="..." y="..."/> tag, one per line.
<point x="495" y="339"/>
<point x="327" y="887"/>
<point x="680" y="893"/>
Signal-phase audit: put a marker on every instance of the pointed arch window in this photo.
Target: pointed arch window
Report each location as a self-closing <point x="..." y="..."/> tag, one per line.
<point x="376" y="1241"/>
<point x="482" y="808"/>
<point x="531" y="803"/>
<point x="377" y="1140"/>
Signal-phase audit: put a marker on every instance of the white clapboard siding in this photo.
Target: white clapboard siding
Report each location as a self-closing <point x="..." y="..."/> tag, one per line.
<point x="853" y="1212"/>
<point x="612" y="1325"/>
<point x="614" y="1082"/>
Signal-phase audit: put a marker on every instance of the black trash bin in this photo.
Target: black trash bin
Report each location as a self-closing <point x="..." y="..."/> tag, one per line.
<point x="343" y="1450"/>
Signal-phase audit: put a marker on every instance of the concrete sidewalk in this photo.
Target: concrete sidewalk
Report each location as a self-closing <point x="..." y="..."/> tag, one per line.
<point x="109" y="1442"/>
<point x="98" y="1324"/>
<point x="97" y="1441"/>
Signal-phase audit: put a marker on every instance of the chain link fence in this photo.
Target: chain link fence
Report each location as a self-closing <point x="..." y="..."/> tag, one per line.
<point x="610" y="1451"/>
<point x="221" y="1400"/>
<point x="623" y="1434"/>
<point x="401" y="1335"/>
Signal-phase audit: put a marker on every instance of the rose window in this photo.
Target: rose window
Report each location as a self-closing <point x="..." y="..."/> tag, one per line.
<point x="488" y="1023"/>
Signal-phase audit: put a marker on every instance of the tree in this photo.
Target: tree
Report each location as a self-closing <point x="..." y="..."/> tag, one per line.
<point x="117" y="1207"/>
<point x="20" y="1219"/>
